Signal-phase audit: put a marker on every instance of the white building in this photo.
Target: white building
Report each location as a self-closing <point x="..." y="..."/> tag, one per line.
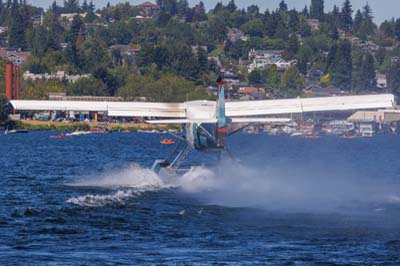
<point x="381" y="81"/>
<point x="60" y="75"/>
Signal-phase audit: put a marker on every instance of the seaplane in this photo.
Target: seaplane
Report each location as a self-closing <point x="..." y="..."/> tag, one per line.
<point x="207" y="124"/>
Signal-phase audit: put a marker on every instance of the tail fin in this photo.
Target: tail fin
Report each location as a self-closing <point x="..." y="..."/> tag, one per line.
<point x="221" y="118"/>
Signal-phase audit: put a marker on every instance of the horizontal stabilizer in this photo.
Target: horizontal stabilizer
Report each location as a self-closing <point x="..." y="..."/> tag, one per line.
<point x="181" y="121"/>
<point x="260" y="120"/>
<point x="229" y="120"/>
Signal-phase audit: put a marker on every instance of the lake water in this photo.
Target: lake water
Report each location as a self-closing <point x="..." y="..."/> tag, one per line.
<point x="92" y="200"/>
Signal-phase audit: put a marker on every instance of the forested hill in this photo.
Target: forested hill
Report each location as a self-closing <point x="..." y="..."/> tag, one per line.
<point x="170" y="51"/>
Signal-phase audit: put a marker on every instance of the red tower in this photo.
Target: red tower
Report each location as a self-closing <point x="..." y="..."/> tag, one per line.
<point x="12" y="81"/>
<point x="16" y="83"/>
<point x="9" y="81"/>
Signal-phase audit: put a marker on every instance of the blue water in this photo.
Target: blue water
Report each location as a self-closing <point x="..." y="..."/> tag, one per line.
<point x="92" y="200"/>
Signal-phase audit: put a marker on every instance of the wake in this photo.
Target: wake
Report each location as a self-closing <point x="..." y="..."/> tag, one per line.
<point x="237" y="185"/>
<point x="126" y="184"/>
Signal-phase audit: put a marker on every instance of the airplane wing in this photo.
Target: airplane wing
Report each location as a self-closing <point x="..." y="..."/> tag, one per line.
<point x="304" y="105"/>
<point x="123" y="109"/>
<point x="205" y="111"/>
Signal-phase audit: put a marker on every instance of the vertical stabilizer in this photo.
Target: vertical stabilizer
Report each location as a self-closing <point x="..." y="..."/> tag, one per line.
<point x="221" y="118"/>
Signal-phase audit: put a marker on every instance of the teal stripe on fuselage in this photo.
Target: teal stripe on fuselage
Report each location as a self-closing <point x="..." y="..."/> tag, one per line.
<point x="221" y="119"/>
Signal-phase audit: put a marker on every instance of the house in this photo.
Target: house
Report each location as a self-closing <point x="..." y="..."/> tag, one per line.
<point x="123" y="54"/>
<point x="314" y="24"/>
<point x="262" y="59"/>
<point x="395" y="59"/>
<point x="264" y="53"/>
<point x="315" y="74"/>
<point x="235" y="35"/>
<point x="14" y="55"/>
<point x="37" y="20"/>
<point x="195" y="49"/>
<point x="315" y="90"/>
<point x="3" y="30"/>
<point x="231" y="79"/>
<point x="250" y="90"/>
<point x="148" y="9"/>
<point x="381" y="81"/>
<point x="216" y="60"/>
<point x="368" y="46"/>
<point x="69" y="17"/>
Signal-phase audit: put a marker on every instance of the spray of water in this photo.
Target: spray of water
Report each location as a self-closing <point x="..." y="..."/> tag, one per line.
<point x="125" y="184"/>
<point x="296" y="187"/>
<point x="273" y="186"/>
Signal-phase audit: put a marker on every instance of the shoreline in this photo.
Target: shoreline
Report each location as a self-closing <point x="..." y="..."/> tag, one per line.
<point x="36" y="125"/>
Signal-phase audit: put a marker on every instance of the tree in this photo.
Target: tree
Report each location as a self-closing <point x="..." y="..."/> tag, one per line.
<point x="293" y="45"/>
<point x="291" y="81"/>
<point x="346" y="15"/>
<point x="16" y="36"/>
<point x="199" y="13"/>
<point x="93" y="55"/>
<point x="272" y="77"/>
<point x="341" y="68"/>
<point x="3" y="108"/>
<point x="394" y="78"/>
<point x="183" y="7"/>
<point x="168" y="6"/>
<point x="380" y="55"/>
<point x="317" y="9"/>
<point x="71" y="6"/>
<point x="87" y="86"/>
<point x="357" y="24"/>
<point x="85" y="6"/>
<point x="283" y="6"/>
<point x="255" y="78"/>
<point x="397" y="29"/>
<point x="231" y="6"/>
<point x="305" y="12"/>
<point x="364" y="77"/>
<point x="387" y="27"/>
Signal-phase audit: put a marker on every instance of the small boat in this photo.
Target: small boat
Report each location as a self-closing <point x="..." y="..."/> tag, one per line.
<point x="16" y="131"/>
<point x="311" y="136"/>
<point x="99" y="130"/>
<point x="79" y="133"/>
<point x="167" y="141"/>
<point x="61" y="136"/>
<point x="348" y="137"/>
<point x="297" y="134"/>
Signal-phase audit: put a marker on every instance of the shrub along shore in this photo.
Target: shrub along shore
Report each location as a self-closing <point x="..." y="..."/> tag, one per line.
<point x="35" y="125"/>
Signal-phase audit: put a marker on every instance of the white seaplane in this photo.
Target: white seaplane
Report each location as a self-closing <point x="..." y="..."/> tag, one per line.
<point x="206" y="124"/>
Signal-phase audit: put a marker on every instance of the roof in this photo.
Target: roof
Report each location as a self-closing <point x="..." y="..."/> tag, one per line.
<point x="381" y="116"/>
<point x="148" y="4"/>
<point x="4" y="53"/>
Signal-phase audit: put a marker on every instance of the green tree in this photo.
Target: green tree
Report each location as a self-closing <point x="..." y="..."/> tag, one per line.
<point x="342" y="66"/>
<point x="283" y="6"/>
<point x="231" y="6"/>
<point x="292" y="82"/>
<point x="93" y="55"/>
<point x="346" y="15"/>
<point x="71" y="6"/>
<point x="3" y="108"/>
<point x="87" y="86"/>
<point x="317" y="9"/>
<point x="394" y="78"/>
<point x="16" y="36"/>
<point x="272" y="77"/>
<point x="293" y="45"/>
<point x="364" y="77"/>
<point x="255" y="78"/>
